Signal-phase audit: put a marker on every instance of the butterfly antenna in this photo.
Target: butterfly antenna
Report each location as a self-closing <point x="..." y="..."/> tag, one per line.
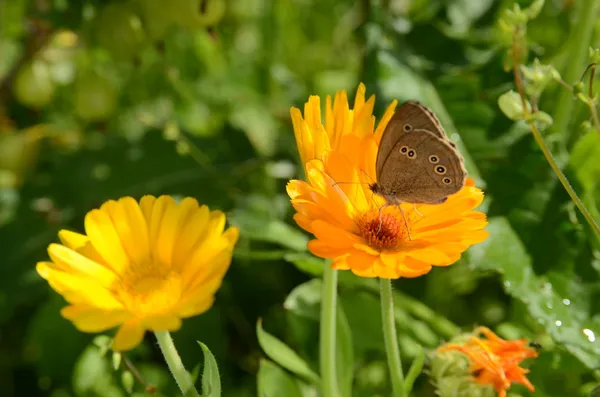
<point x="368" y="176"/>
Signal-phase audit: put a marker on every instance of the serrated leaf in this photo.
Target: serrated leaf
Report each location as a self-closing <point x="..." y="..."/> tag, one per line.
<point x="275" y="382"/>
<point x="283" y="355"/>
<point x="211" y="380"/>
<point x="504" y="252"/>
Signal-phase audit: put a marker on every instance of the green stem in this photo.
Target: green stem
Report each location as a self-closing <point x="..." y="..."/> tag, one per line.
<point x="390" y="338"/>
<point x="579" y="42"/>
<point x="563" y="179"/>
<point x="182" y="377"/>
<point x="327" y="333"/>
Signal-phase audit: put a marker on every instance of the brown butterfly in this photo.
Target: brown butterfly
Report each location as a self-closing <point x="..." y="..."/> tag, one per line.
<point x="416" y="162"/>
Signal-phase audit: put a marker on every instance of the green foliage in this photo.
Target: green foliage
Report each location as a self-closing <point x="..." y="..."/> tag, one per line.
<point x="211" y="381"/>
<point x="100" y="100"/>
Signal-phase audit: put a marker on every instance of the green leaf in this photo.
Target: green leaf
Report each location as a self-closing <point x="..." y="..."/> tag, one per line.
<point x="305" y="299"/>
<point x="306" y="263"/>
<point x="344" y="354"/>
<point x="93" y="375"/>
<point x="128" y="381"/>
<point x="284" y="355"/>
<point x="259" y="125"/>
<point x="511" y="105"/>
<point x="558" y="314"/>
<point x="414" y="371"/>
<point x="258" y="226"/>
<point x="275" y="382"/>
<point x="584" y="159"/>
<point x="211" y="381"/>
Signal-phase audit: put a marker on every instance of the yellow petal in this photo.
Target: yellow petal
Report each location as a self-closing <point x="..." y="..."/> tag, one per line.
<point x="190" y="235"/>
<point x="167" y="232"/>
<point x="162" y="323"/>
<point x="197" y="307"/>
<point x="73" y="240"/>
<point x="129" y="335"/>
<point x="105" y="239"/>
<point x="154" y="224"/>
<point x="146" y="204"/>
<point x="86" y="290"/>
<point x="131" y="226"/>
<point x="204" y="272"/>
<point x="70" y="261"/>
<point x="91" y="319"/>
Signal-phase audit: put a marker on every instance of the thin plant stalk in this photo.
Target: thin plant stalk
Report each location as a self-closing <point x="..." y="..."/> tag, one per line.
<point x="391" y="339"/>
<point x="327" y="333"/>
<point x="542" y="144"/>
<point x="182" y="377"/>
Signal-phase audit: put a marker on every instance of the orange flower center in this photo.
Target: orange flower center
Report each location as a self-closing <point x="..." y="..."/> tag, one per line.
<point x="150" y="290"/>
<point x="385" y="232"/>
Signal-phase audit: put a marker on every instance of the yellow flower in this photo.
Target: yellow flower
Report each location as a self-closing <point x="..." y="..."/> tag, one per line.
<point x="495" y="361"/>
<point x="141" y="266"/>
<point x="336" y="205"/>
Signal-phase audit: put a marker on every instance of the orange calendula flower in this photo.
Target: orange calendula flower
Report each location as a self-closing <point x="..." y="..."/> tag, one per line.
<point x="336" y="205"/>
<point x="141" y="266"/>
<point x="495" y="361"/>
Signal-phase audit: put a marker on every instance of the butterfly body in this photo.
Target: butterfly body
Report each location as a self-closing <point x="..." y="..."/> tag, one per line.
<point x="416" y="162"/>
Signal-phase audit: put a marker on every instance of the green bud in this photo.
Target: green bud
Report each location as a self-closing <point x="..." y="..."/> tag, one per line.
<point x="462" y="387"/>
<point x="116" y="360"/>
<point x="512" y="106"/>
<point x="182" y="148"/>
<point x="534" y="9"/>
<point x="171" y="131"/>
<point x="578" y="88"/>
<point x="594" y="54"/>
<point x="537" y="77"/>
<point x="515" y="17"/>
<point x="543" y="118"/>
<point x="583" y="98"/>
<point x="128" y="381"/>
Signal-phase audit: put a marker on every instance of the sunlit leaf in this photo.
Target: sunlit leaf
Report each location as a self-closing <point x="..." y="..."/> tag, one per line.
<point x="211" y="380"/>
<point x="275" y="382"/>
<point x="284" y="355"/>
<point x="504" y="252"/>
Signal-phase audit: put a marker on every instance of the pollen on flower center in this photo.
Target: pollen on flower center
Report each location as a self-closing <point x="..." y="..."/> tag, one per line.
<point x="382" y="233"/>
<point x="151" y="292"/>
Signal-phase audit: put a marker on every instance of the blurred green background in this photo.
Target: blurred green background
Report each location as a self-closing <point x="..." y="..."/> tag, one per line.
<point x="102" y="99"/>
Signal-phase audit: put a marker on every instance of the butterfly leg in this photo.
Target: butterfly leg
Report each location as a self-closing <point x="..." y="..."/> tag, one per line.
<point x="405" y="222"/>
<point x="380" y="218"/>
<point x="417" y="211"/>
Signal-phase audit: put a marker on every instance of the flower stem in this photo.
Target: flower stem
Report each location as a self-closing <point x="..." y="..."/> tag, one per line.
<point x="390" y="338"/>
<point x="563" y="179"/>
<point x="579" y="42"/>
<point x="182" y="377"/>
<point x="542" y="144"/>
<point x="327" y="333"/>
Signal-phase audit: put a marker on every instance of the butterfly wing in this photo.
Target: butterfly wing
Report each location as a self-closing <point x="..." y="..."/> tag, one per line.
<point x="421" y="168"/>
<point x="411" y="116"/>
<point x="420" y="117"/>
